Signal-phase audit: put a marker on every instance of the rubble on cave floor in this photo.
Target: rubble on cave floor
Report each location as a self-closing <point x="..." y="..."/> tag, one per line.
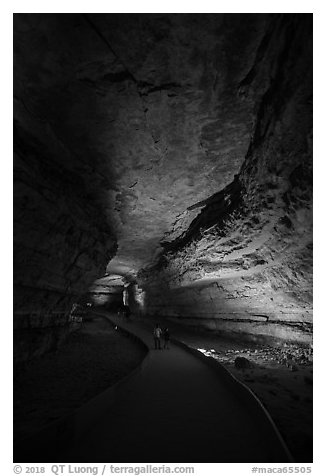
<point x="290" y="355"/>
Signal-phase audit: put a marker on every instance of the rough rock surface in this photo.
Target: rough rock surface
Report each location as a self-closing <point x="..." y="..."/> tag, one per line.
<point x="62" y="241"/>
<point x="242" y="363"/>
<point x="129" y="131"/>
<point x="245" y="262"/>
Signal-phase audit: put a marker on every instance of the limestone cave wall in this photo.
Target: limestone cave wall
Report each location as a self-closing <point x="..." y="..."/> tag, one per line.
<point x="60" y="244"/>
<point x="245" y="263"/>
<point x="62" y="241"/>
<point x="128" y="131"/>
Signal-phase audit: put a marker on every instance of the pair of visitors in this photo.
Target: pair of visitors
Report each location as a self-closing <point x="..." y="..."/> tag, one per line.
<point x="158" y="333"/>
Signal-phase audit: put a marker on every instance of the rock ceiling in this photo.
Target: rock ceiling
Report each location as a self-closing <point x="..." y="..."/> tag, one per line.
<point x="147" y="109"/>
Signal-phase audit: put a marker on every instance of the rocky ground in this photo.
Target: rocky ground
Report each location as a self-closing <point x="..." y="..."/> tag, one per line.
<point x="281" y="377"/>
<point x="54" y="385"/>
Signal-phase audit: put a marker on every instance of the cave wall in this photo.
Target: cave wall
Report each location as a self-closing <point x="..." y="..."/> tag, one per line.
<point x="115" y="136"/>
<point x="245" y="263"/>
<point x="124" y="125"/>
<point x="60" y="244"/>
<point x="62" y="241"/>
<point x="107" y="296"/>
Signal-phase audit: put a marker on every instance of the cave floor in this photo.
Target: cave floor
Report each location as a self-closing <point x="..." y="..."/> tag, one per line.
<point x="285" y="390"/>
<point x="146" y="425"/>
<point x="55" y="384"/>
<point x="175" y="408"/>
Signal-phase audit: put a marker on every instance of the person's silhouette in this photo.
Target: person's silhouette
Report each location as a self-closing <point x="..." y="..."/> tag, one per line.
<point x="166" y="336"/>
<point x="157" y="336"/>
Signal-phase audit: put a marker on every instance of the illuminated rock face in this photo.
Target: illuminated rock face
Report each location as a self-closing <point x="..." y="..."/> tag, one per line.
<point x="107" y="291"/>
<point x="245" y="263"/>
<point x="129" y="131"/>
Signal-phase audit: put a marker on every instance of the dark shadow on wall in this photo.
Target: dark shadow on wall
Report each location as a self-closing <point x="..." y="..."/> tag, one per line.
<point x="63" y="238"/>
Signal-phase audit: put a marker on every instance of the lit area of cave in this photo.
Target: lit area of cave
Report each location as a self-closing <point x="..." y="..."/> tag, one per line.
<point x="108" y="291"/>
<point x="139" y="296"/>
<point x="163" y="237"/>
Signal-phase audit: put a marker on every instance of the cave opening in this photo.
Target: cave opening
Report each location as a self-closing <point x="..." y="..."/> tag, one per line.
<point x="163" y="164"/>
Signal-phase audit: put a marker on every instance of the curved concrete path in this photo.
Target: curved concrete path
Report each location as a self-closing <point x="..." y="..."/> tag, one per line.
<point x="175" y="408"/>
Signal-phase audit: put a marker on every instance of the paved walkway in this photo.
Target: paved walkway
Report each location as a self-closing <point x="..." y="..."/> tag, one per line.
<point x="175" y="408"/>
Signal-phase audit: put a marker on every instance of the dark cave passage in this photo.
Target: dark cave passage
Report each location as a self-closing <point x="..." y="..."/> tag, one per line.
<point x="163" y="173"/>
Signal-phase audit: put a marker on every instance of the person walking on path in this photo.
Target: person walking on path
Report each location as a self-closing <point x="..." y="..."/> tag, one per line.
<point x="157" y="336"/>
<point x="166" y="336"/>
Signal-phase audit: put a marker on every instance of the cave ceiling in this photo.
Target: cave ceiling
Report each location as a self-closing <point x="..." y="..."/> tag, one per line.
<point x="147" y="109"/>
